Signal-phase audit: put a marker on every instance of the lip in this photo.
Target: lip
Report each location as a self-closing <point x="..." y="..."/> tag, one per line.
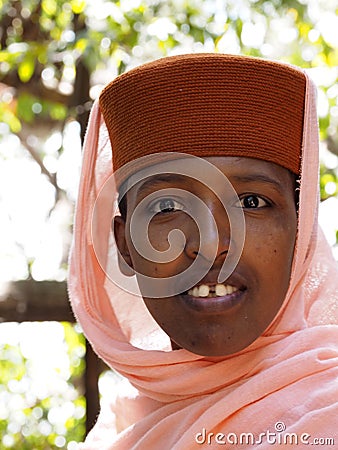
<point x="213" y="305"/>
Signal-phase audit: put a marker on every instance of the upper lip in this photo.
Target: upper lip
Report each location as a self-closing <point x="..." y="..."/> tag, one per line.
<point x="234" y="280"/>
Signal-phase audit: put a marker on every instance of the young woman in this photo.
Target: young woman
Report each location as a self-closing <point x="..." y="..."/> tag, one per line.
<point x="215" y="160"/>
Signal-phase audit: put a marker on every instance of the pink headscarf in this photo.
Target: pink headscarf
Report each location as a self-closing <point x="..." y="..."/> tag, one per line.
<point x="285" y="382"/>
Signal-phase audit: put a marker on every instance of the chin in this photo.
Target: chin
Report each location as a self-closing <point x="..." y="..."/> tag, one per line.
<point x="210" y="349"/>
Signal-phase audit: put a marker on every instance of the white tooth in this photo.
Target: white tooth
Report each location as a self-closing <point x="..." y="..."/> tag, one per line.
<point x="220" y="290"/>
<point x="203" y="290"/>
<point x="232" y="289"/>
<point x="195" y="291"/>
<point x="229" y="289"/>
<point x="190" y="292"/>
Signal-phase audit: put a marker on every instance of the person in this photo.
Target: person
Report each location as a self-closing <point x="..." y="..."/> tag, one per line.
<point x="211" y="289"/>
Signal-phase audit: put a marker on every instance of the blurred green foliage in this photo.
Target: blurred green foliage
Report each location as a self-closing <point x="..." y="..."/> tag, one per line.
<point x="36" y="416"/>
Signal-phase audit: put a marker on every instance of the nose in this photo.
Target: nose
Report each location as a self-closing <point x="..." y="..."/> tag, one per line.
<point x="209" y="236"/>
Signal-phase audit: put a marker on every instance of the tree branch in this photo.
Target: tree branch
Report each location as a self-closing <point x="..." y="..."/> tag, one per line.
<point x="30" y="300"/>
<point x="51" y="177"/>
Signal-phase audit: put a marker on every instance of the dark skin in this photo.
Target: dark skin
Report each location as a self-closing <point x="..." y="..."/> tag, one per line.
<point x="220" y="326"/>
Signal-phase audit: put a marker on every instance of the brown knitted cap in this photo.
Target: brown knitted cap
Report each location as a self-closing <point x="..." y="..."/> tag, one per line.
<point x="207" y="105"/>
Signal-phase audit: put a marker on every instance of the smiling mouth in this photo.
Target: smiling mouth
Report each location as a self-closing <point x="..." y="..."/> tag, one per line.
<point x="206" y="291"/>
<point x="214" y="298"/>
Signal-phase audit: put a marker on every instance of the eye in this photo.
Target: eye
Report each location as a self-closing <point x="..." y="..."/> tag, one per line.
<point x="166" y="205"/>
<point x="252" y="202"/>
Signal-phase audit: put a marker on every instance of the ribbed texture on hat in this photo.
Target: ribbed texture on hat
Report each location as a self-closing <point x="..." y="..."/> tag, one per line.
<point x="207" y="105"/>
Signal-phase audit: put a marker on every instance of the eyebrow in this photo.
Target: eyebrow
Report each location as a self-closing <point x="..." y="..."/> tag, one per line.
<point x="157" y="180"/>
<point x="260" y="178"/>
<point x="154" y="181"/>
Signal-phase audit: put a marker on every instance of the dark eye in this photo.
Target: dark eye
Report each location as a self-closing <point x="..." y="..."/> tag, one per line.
<point x="252" y="201"/>
<point x="166" y="205"/>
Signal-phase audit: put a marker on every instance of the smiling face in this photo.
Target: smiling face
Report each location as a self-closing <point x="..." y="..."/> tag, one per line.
<point x="212" y="318"/>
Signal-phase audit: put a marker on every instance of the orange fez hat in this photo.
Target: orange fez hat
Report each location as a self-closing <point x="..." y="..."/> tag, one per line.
<point x="207" y="105"/>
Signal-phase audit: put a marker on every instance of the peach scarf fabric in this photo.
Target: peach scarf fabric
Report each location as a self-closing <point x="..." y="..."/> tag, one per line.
<point x="286" y="380"/>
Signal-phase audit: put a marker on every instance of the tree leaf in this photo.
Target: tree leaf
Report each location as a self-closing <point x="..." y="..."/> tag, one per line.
<point x="26" y="68"/>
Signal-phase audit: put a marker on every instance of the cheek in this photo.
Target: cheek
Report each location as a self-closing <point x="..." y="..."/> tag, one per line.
<point x="156" y="245"/>
<point x="271" y="246"/>
<point x="158" y="238"/>
<point x="145" y="263"/>
<point x="177" y="229"/>
<point x="143" y="250"/>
